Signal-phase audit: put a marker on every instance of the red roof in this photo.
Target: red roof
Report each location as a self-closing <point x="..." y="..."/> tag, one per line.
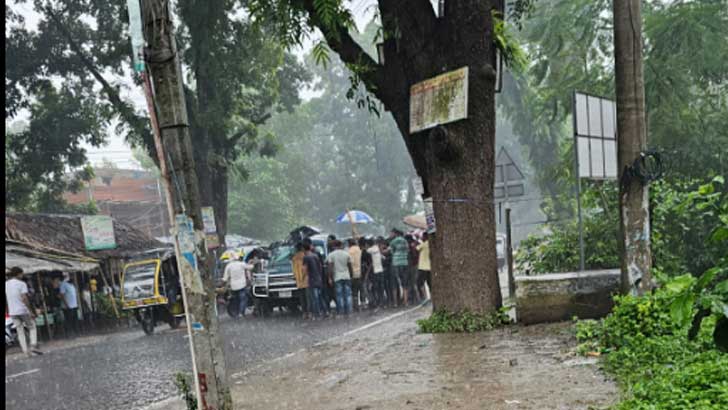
<point x="118" y="186"/>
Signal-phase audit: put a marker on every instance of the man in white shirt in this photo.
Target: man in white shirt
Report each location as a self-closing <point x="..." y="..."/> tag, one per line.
<point x="21" y="312"/>
<point x="377" y="280"/>
<point x="340" y="273"/>
<point x="237" y="276"/>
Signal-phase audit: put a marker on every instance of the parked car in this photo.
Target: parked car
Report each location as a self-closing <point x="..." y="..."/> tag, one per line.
<point x="276" y="285"/>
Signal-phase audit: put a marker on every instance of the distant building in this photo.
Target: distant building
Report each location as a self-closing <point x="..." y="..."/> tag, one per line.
<point x="134" y="197"/>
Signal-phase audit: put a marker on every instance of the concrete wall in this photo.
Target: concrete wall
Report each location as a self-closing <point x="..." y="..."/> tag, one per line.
<point x="561" y="296"/>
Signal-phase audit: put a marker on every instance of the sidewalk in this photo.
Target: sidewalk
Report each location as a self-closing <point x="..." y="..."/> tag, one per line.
<point x="390" y="366"/>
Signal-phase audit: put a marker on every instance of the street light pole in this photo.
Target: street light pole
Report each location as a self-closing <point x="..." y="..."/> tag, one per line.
<point x="174" y="149"/>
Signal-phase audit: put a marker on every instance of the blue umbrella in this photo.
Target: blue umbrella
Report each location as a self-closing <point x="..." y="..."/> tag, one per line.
<point x="354" y="217"/>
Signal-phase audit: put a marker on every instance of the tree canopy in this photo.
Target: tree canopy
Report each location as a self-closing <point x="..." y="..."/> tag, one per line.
<point x="333" y="155"/>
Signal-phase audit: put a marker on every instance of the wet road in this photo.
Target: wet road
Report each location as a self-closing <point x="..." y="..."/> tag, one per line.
<point x="130" y="370"/>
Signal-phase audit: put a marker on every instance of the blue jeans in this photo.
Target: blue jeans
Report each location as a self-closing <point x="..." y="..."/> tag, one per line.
<point x="318" y="305"/>
<point x="242" y="296"/>
<point x="343" y="296"/>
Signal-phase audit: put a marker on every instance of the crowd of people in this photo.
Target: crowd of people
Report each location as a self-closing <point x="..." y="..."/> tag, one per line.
<point x="22" y="301"/>
<point x="364" y="273"/>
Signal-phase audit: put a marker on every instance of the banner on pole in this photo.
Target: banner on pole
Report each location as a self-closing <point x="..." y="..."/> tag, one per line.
<point x="98" y="232"/>
<point x="208" y="220"/>
<point x="430" y="216"/>
<point x="137" y="34"/>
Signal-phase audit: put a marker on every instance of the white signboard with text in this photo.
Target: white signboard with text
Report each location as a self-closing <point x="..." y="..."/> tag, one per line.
<point x="439" y="100"/>
<point x="98" y="232"/>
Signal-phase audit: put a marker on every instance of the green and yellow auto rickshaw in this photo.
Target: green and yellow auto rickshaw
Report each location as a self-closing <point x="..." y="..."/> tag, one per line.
<point x="150" y="287"/>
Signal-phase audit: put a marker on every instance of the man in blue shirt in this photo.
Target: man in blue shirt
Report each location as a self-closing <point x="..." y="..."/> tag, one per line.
<point x="69" y="302"/>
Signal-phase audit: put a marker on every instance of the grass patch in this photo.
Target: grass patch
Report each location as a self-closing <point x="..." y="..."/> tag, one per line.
<point x="655" y="364"/>
<point x="186" y="387"/>
<point x="464" y="321"/>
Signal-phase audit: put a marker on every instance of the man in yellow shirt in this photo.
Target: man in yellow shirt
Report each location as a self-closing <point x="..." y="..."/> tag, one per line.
<point x="423" y="266"/>
<point x="356" y="277"/>
<point x="301" y="280"/>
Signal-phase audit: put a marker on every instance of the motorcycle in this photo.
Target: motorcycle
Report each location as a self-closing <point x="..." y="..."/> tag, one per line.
<point x="11" y="333"/>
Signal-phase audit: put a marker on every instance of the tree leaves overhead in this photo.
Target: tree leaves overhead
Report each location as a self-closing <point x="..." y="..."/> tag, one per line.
<point x="41" y="163"/>
<point x="569" y="44"/>
<point x="333" y="155"/>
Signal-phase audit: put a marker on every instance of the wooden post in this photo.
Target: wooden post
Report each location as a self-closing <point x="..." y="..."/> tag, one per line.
<point x="353" y="227"/>
<point x="111" y="295"/>
<point x="78" y="295"/>
<point x="509" y="255"/>
<point x="45" y="307"/>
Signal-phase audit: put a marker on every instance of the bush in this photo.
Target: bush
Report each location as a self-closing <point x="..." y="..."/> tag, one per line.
<point x="684" y="216"/>
<point x="649" y="352"/>
<point x="463" y="322"/>
<point x="185" y="386"/>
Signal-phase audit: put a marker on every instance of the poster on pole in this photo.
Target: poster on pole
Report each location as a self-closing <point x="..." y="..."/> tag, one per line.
<point x="137" y="35"/>
<point x="595" y="136"/>
<point x="430" y="216"/>
<point x="98" y="232"/>
<point x="208" y="220"/>
<point x="439" y="100"/>
<point x="419" y="186"/>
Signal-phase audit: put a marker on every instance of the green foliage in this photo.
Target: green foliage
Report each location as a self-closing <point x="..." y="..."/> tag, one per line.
<point x="689" y="230"/>
<point x="558" y="251"/>
<point x="106" y="309"/>
<point x="320" y="52"/>
<point x="569" y="47"/>
<point x="648" y="350"/>
<point x="669" y="373"/>
<point x="513" y="55"/>
<point x="186" y="388"/>
<point x="39" y="154"/>
<point x="333" y="155"/>
<point x="442" y="321"/>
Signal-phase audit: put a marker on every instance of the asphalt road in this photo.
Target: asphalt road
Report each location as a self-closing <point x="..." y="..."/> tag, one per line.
<point x="130" y="370"/>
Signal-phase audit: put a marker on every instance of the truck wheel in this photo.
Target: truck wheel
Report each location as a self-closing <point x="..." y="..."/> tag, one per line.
<point x="174" y="322"/>
<point x="147" y="321"/>
<point x="262" y="307"/>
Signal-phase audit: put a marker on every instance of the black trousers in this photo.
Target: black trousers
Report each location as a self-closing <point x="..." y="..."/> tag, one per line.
<point x="70" y="317"/>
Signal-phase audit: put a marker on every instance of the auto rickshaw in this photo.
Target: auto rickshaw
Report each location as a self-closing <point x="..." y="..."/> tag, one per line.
<point x="150" y="287"/>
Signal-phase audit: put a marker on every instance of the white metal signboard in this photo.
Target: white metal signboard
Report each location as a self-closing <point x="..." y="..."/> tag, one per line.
<point x="595" y="133"/>
<point x="439" y="100"/>
<point x="98" y="232"/>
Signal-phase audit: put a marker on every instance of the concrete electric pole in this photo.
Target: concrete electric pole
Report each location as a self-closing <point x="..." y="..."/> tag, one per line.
<point x="176" y="160"/>
<point x="632" y="143"/>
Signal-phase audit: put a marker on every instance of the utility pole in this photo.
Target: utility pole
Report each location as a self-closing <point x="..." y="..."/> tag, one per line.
<point x="632" y="142"/>
<point x="174" y="148"/>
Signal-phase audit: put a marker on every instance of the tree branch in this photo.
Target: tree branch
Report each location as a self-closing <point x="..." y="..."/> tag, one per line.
<point x="126" y="112"/>
<point x="350" y="52"/>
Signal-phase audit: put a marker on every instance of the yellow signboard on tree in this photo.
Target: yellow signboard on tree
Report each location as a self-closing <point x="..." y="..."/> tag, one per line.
<point x="439" y="100"/>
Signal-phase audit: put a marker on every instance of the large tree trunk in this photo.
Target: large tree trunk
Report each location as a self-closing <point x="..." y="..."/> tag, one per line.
<point x="632" y="140"/>
<point x="455" y="162"/>
<point x="463" y="250"/>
